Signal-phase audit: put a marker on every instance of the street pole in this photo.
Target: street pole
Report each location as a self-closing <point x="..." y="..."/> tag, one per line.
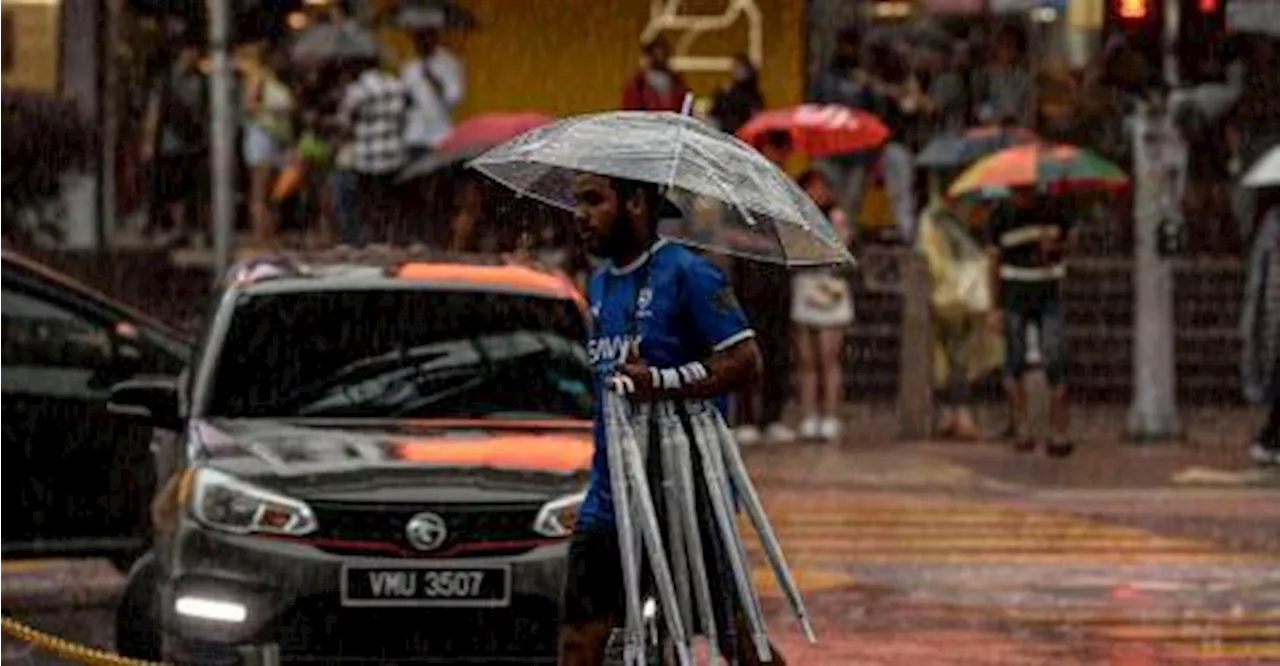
<point x="222" y="136"/>
<point x="915" y="364"/>
<point x="1159" y="162"/>
<point x="109" y="107"/>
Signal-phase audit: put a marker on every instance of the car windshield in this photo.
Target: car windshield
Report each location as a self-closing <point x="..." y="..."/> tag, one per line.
<point x="402" y="354"/>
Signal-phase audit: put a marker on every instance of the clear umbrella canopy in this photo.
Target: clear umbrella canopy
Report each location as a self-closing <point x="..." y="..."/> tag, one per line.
<point x="732" y="199"/>
<point x="330" y="41"/>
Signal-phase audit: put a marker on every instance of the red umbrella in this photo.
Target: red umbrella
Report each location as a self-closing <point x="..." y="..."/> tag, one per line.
<point x="491" y="129"/>
<point x="819" y="130"/>
<point x="472" y="137"/>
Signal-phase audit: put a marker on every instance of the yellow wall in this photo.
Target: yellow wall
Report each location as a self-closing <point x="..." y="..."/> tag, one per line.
<point x="30" y="44"/>
<point x="573" y="56"/>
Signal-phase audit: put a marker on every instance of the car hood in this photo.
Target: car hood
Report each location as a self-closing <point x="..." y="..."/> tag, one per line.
<point x="400" y="461"/>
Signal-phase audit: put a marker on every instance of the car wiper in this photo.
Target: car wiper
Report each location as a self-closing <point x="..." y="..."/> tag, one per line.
<point x="396" y="362"/>
<point x="391" y="388"/>
<point x="396" y="379"/>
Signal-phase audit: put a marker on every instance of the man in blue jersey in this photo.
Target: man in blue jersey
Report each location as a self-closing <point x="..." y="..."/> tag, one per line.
<point x="654" y="304"/>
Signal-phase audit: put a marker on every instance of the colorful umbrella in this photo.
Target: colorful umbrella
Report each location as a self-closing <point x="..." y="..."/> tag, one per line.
<point x="493" y="128"/>
<point x="954" y="151"/>
<point x="474" y="136"/>
<point x="1053" y="168"/>
<point x="819" y="130"/>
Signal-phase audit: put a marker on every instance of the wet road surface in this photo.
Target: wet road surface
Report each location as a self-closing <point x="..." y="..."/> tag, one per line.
<point x="956" y="554"/>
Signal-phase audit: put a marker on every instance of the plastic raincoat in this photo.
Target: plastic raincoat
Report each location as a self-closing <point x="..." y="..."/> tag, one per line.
<point x="960" y="297"/>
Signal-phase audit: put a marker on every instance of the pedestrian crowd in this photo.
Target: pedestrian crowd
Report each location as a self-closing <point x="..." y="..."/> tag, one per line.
<point x="328" y="144"/>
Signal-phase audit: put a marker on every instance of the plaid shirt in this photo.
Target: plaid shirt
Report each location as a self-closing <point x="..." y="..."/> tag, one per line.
<point x="374" y="108"/>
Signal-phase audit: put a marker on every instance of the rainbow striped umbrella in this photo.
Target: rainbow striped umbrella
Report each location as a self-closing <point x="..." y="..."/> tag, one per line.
<point x="1052" y="168"/>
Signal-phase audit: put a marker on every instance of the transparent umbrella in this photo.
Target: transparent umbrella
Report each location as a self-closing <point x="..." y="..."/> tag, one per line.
<point x="732" y="199"/>
<point x="330" y="41"/>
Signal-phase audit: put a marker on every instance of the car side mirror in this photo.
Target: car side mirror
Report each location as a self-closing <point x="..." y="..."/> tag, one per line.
<point x="150" y="399"/>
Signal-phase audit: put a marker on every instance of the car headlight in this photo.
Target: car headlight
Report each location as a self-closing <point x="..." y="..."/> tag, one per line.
<point x="558" y="517"/>
<point x="226" y="503"/>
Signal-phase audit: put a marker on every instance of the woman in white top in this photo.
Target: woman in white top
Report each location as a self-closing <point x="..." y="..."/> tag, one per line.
<point x="821" y="310"/>
<point x="268" y="135"/>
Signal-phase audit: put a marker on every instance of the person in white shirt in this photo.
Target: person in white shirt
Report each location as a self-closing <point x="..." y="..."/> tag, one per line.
<point x="436" y="80"/>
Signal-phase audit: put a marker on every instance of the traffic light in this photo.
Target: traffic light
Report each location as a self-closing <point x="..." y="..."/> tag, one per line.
<point x="1202" y="32"/>
<point x="1136" y="63"/>
<point x="1133" y="10"/>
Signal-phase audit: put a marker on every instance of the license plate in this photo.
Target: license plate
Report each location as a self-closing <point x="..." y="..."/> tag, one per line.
<point x="456" y="586"/>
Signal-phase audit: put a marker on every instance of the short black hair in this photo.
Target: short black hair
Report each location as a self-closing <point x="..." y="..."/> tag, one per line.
<point x="659" y="206"/>
<point x="810" y="176"/>
<point x="850" y="35"/>
<point x="627" y="188"/>
<point x="653" y="44"/>
<point x="777" y="139"/>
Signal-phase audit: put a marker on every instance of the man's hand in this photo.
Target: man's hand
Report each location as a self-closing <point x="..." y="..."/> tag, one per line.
<point x="641" y="379"/>
<point x="995" y="321"/>
<point x="432" y="80"/>
<point x="1051" y="245"/>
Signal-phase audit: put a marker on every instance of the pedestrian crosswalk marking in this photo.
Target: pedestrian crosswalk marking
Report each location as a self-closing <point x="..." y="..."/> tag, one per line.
<point x="836" y="538"/>
<point x="832" y="530"/>
<point x="1200" y="632"/>
<point x="1239" y="651"/>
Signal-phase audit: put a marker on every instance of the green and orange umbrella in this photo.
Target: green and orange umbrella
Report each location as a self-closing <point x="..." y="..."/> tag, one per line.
<point x="1050" y="168"/>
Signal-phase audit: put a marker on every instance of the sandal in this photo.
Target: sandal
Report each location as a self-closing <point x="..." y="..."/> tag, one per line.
<point x="1060" y="447"/>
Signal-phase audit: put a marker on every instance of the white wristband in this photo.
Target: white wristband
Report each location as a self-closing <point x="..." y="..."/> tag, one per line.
<point x="670" y="378"/>
<point x="655" y="378"/>
<point x="696" y="371"/>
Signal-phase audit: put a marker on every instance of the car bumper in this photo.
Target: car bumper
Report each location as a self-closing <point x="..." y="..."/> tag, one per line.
<point x="289" y="595"/>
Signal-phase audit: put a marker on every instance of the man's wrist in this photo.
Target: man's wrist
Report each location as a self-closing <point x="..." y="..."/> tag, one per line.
<point x="675" y="381"/>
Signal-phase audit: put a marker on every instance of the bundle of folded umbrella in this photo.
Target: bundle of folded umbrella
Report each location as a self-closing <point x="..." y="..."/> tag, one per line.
<point x="677" y="476"/>
<point x="676" y="472"/>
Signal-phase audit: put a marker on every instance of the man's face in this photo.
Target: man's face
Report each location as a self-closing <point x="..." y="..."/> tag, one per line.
<point x="820" y="191"/>
<point x="428" y="40"/>
<point x="776" y="154"/>
<point x="600" y="213"/>
<point x="658" y="56"/>
<point x="188" y="58"/>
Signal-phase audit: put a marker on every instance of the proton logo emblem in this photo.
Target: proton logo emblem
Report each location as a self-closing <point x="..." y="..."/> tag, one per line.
<point x="426" y="531"/>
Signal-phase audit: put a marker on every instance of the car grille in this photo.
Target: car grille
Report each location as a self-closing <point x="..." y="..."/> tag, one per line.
<point x="317" y="630"/>
<point x="379" y="529"/>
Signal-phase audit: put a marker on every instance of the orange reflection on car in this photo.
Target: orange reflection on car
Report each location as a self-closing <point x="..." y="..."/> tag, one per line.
<point x="560" y="452"/>
<point x="514" y="276"/>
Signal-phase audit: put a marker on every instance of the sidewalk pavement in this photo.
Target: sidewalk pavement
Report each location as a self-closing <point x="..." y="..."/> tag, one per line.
<point x="50" y="585"/>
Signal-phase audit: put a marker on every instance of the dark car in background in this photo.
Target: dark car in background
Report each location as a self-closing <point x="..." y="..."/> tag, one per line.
<point x="377" y="464"/>
<point x="81" y="477"/>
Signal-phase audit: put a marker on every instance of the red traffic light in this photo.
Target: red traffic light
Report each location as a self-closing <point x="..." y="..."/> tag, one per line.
<point x="1210" y="6"/>
<point x="1137" y="10"/>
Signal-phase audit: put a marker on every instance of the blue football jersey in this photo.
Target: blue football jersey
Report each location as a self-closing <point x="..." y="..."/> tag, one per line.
<point x="678" y="307"/>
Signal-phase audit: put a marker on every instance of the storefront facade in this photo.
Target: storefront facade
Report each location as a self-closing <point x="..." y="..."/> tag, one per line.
<point x="573" y="56"/>
<point x="30" y="44"/>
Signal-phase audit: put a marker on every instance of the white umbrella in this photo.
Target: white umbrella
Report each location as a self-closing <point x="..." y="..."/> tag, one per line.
<point x="1266" y="171"/>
